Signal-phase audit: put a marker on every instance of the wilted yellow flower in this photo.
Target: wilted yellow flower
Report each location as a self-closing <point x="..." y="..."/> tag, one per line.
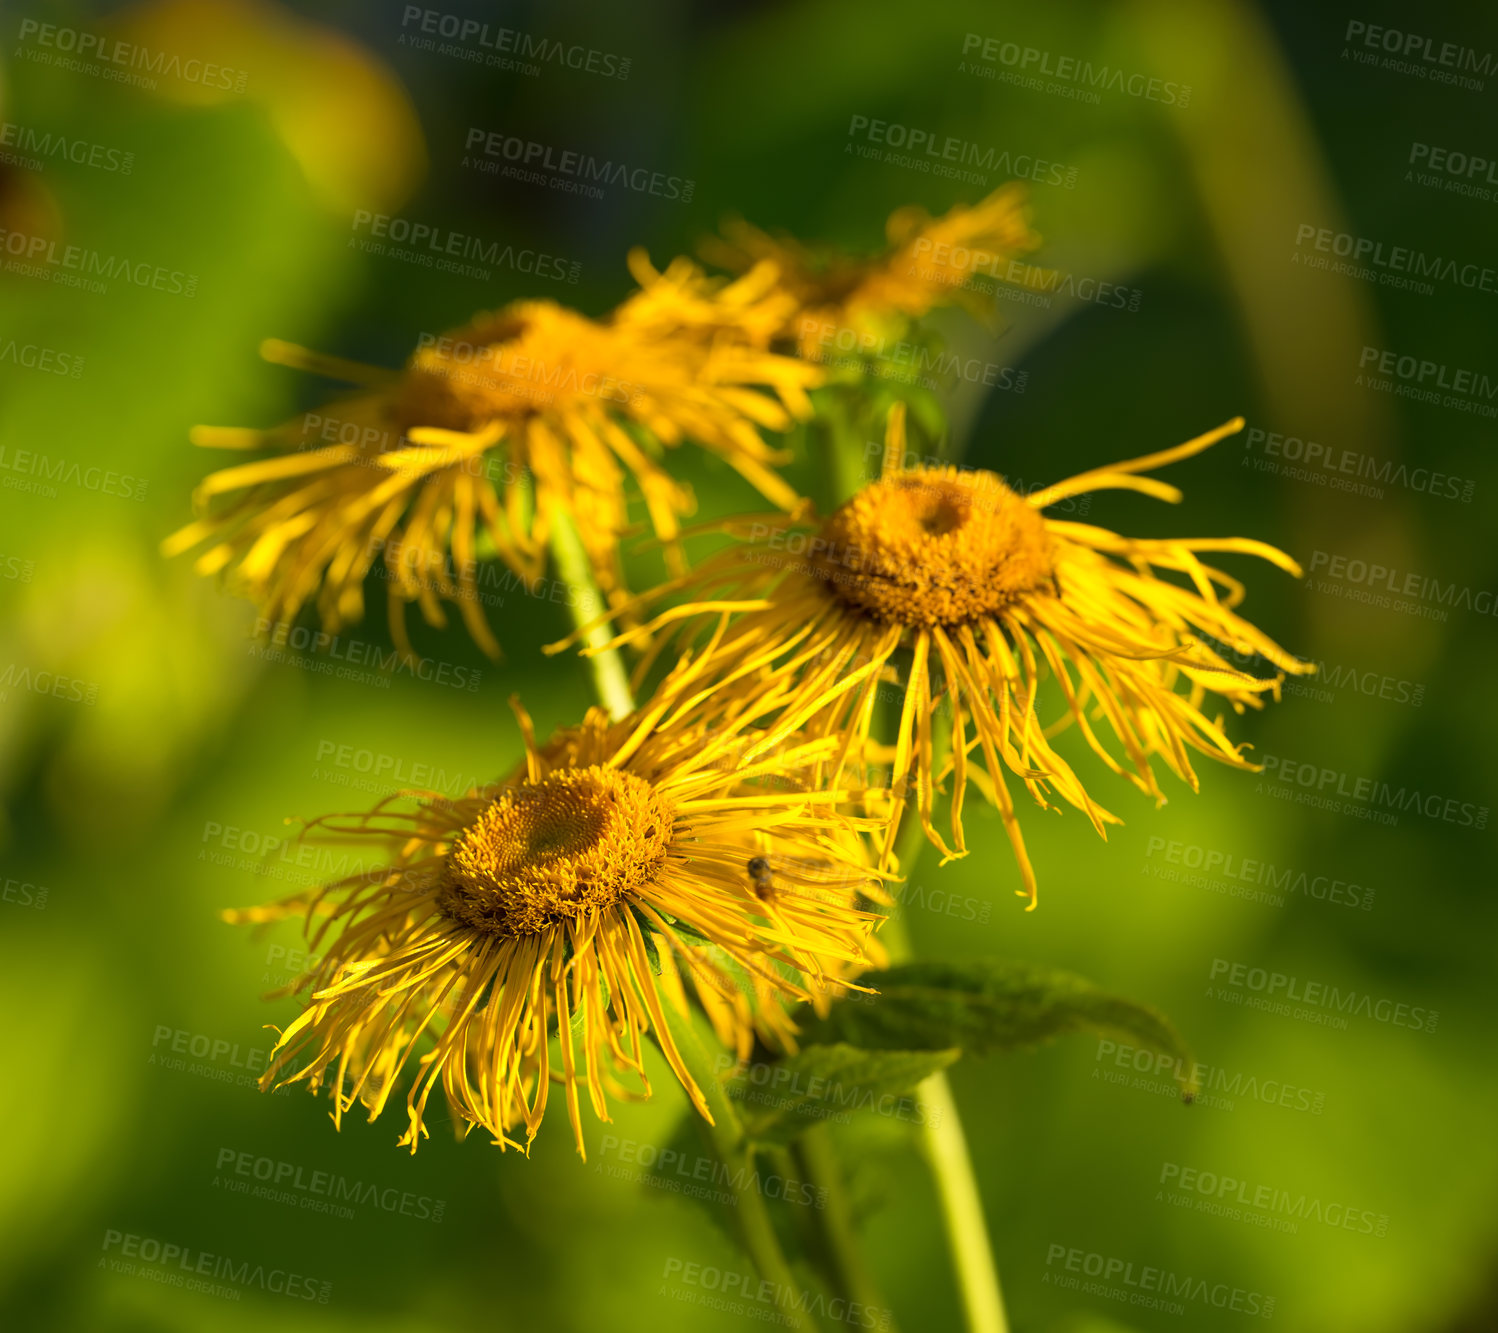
<point x="473" y="448"/>
<point x="532" y="931"/>
<point x="931" y="261"/>
<point x="961" y="586"/>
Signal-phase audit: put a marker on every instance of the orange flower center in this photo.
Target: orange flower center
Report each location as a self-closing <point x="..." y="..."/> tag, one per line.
<point x="512" y="363"/>
<point x="935" y="546"/>
<point x="578" y="841"/>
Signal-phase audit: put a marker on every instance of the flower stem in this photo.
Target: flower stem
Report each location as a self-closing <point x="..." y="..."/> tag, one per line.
<point x="942" y="1140"/>
<point x="728" y="1141"/>
<point x="726" y="1134"/>
<point x="833" y="440"/>
<point x="944" y="1146"/>
<point x="962" y="1209"/>
<point x="838" y="1233"/>
<point x="586" y="604"/>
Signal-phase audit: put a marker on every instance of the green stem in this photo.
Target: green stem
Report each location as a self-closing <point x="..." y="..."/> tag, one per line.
<point x="727" y="1138"/>
<point x="726" y="1134"/>
<point x="942" y="1140"/>
<point x="833" y="435"/>
<point x="961" y="1208"/>
<point x="855" y="1278"/>
<point x="586" y="604"/>
<point x="944" y="1146"/>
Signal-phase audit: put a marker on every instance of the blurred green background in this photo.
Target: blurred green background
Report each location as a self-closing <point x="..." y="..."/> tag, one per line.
<point x="147" y="752"/>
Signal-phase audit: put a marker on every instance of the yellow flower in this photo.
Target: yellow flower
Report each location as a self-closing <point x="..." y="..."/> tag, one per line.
<point x="756" y="307"/>
<point x="965" y="589"/>
<point x="475" y="447"/>
<point x="930" y="261"/>
<point x="532" y="931"/>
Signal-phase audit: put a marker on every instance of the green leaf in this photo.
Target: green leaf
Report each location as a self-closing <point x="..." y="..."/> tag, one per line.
<point x="688" y="1168"/>
<point x="989" y="1005"/>
<point x="647" y="934"/>
<point x="578" y="1021"/>
<point x="824" y="1083"/>
<point x="685" y="928"/>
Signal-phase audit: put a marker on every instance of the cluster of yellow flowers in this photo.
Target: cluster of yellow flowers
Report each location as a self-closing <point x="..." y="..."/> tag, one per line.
<point x="731" y="837"/>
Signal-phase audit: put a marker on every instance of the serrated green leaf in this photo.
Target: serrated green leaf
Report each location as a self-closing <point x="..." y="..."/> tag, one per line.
<point x="989" y="1005"/>
<point x="830" y="1082"/>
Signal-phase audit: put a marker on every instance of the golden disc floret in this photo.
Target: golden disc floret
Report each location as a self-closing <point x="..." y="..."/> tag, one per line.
<point x="936" y="546"/>
<point x="577" y="841"/>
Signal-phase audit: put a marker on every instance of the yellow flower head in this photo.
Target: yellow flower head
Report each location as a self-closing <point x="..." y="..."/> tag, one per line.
<point x="532" y="931"/>
<point x="930" y="261"/>
<point x="964" y="589"/>
<point x="474" y="447"/>
<point x="756" y="307"/>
